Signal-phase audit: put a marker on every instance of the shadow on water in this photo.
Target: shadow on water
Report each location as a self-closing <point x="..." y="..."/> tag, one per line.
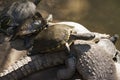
<point x="97" y="15"/>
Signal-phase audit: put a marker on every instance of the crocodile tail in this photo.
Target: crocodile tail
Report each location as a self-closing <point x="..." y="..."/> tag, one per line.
<point x="31" y="64"/>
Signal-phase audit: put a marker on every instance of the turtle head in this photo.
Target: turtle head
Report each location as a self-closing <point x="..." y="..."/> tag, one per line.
<point x="39" y="20"/>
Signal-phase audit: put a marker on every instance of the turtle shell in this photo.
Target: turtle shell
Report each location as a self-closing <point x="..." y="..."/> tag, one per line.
<point x="52" y="39"/>
<point x="32" y="25"/>
<point x="26" y="28"/>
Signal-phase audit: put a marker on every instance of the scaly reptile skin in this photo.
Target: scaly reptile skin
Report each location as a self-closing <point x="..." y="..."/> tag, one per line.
<point x="29" y="65"/>
<point x="93" y="63"/>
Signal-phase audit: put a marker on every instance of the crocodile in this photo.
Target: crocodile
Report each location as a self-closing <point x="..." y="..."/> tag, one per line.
<point x="69" y="35"/>
<point x="93" y="63"/>
<point x="61" y="43"/>
<point x="95" y="56"/>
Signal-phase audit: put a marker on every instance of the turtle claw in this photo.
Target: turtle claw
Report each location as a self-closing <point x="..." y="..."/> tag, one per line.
<point x="67" y="47"/>
<point x="84" y="36"/>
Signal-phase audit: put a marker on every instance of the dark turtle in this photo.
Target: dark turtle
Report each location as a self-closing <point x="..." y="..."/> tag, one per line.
<point x="55" y="38"/>
<point x="29" y="28"/>
<point x="32" y="25"/>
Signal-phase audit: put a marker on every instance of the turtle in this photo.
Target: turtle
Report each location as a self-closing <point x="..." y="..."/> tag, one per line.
<point x="28" y="29"/>
<point x="13" y="15"/>
<point x="56" y="37"/>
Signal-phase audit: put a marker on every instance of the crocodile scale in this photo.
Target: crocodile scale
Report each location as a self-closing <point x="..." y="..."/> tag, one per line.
<point x="94" y="63"/>
<point x="28" y="65"/>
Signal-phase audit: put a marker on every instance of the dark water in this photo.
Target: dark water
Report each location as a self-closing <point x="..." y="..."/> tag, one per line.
<point x="97" y="15"/>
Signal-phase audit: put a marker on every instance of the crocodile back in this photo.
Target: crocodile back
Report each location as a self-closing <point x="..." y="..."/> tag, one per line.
<point x="94" y="63"/>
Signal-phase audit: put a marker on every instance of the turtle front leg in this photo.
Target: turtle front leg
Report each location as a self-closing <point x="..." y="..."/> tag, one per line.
<point x="70" y="69"/>
<point x="83" y="36"/>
